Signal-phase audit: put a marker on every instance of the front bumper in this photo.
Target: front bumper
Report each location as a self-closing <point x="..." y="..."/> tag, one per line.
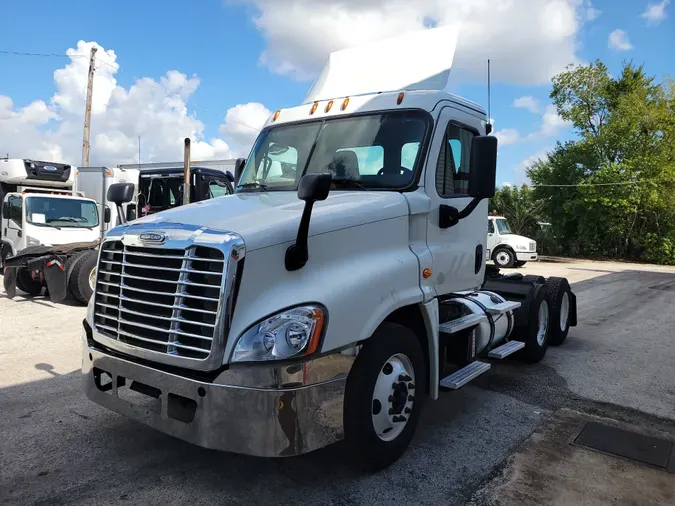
<point x="526" y="257"/>
<point x="265" y="422"/>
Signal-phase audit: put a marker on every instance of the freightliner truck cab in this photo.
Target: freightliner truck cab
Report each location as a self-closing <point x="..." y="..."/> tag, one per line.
<point x="327" y="297"/>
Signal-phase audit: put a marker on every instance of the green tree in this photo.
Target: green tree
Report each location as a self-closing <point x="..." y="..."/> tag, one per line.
<point x="609" y="193"/>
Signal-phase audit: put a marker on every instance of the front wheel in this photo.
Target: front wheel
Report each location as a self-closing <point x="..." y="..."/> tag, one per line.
<point x="385" y="391"/>
<point x="504" y="258"/>
<point x="82" y="278"/>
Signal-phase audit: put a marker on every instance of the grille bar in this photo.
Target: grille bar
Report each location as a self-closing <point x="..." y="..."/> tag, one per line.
<point x="164" y="300"/>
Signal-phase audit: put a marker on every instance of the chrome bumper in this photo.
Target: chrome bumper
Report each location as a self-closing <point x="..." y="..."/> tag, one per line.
<point x="261" y="421"/>
<point x="526" y="257"/>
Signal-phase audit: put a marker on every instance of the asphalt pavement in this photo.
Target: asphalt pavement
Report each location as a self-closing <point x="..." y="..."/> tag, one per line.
<point x="56" y="447"/>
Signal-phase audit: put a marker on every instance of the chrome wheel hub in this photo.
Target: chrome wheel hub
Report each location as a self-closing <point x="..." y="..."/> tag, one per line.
<point x="542" y="330"/>
<point x="503" y="258"/>
<point x="564" y="311"/>
<point x="92" y="279"/>
<point x="393" y="397"/>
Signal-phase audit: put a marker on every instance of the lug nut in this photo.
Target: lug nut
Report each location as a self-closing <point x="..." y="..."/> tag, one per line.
<point x="408" y="411"/>
<point x="402" y="419"/>
<point x="411" y="386"/>
<point x="401" y="377"/>
<point x="395" y="419"/>
<point x="391" y="411"/>
<point x="407" y="378"/>
<point x="391" y="398"/>
<point x="411" y="398"/>
<point x="394" y="385"/>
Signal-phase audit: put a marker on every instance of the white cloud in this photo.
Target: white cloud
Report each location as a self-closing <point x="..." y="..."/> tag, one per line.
<point x="521" y="168"/>
<point x="655" y="13"/>
<point x="156" y="110"/>
<point x="551" y="123"/>
<point x="618" y="40"/>
<point x="528" y="41"/>
<point x="529" y="103"/>
<point x="507" y="136"/>
<point x="243" y="122"/>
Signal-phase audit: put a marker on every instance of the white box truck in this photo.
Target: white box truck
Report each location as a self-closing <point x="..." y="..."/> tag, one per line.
<point x="41" y="212"/>
<point x="507" y="249"/>
<point x="329" y="300"/>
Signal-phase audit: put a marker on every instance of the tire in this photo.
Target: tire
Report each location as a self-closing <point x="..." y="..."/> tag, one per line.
<point x="559" y="302"/>
<point x="71" y="260"/>
<point x="395" y="351"/>
<point x="532" y="278"/>
<point x="78" y="281"/>
<point x="519" y="263"/>
<point x="27" y="284"/>
<point x="5" y="254"/>
<point x="535" y="333"/>
<point x="504" y="258"/>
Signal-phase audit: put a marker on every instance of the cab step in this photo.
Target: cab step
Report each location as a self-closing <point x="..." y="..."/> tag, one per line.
<point x="460" y="378"/>
<point x="506" y="349"/>
<point x="462" y="323"/>
<point x="503" y="307"/>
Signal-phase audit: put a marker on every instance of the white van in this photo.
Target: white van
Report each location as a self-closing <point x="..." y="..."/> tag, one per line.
<point x="505" y="248"/>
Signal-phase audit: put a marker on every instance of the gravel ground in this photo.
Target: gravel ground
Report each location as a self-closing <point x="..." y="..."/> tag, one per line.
<point x="58" y="448"/>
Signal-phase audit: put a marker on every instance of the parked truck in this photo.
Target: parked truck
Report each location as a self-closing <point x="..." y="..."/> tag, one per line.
<point x="331" y="299"/>
<point x="505" y="248"/>
<point x="41" y="212"/>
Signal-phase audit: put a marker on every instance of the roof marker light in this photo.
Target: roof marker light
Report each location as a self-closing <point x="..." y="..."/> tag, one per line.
<point x="400" y="98"/>
<point x="345" y="103"/>
<point x="313" y="110"/>
<point x="330" y="104"/>
<point x="276" y="115"/>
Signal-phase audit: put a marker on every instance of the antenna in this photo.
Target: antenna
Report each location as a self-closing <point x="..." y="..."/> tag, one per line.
<point x="488" y="127"/>
<point x="139" y="151"/>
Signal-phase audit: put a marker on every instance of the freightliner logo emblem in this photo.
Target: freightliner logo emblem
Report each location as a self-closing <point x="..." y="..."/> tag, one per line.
<point x="153" y="237"/>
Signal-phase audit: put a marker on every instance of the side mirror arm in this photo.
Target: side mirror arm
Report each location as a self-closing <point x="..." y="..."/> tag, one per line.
<point x="449" y="216"/>
<point x="297" y="254"/>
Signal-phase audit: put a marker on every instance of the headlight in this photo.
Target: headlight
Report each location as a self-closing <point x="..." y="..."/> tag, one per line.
<point x="285" y="335"/>
<point x="31" y="241"/>
<point x="520" y="247"/>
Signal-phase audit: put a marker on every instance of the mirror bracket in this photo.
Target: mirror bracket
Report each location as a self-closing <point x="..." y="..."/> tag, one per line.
<point x="449" y="216"/>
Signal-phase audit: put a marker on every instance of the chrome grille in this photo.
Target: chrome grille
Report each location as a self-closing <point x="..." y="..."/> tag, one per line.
<point x="533" y="246"/>
<point x="160" y="299"/>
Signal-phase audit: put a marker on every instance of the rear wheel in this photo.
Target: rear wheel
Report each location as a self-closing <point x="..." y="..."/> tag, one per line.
<point x="535" y="332"/>
<point x="384" y="396"/>
<point x="82" y="278"/>
<point x="532" y="278"/>
<point x="559" y="300"/>
<point x="26" y="283"/>
<point x="504" y="257"/>
<point x="5" y="254"/>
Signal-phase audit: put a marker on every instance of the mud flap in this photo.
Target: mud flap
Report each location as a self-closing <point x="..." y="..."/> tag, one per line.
<point x="55" y="277"/>
<point x="9" y="281"/>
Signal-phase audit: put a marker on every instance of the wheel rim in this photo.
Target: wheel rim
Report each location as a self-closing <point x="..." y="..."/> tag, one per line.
<point x="92" y="279"/>
<point x="503" y="258"/>
<point x="543" y="323"/>
<point x="393" y="397"/>
<point x="564" y="311"/>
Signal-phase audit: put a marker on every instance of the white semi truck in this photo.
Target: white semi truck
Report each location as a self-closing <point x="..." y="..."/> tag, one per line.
<point x="507" y="249"/>
<point x="41" y="212"/>
<point x="329" y="300"/>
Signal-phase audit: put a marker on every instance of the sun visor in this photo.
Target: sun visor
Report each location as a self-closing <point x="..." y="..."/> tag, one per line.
<point x="419" y="60"/>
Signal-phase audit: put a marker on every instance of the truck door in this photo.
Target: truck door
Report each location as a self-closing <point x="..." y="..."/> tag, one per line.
<point x="492" y="238"/>
<point x="458" y="251"/>
<point x="12" y="222"/>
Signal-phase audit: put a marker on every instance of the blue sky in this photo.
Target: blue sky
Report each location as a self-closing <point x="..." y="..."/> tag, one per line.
<point x="221" y="42"/>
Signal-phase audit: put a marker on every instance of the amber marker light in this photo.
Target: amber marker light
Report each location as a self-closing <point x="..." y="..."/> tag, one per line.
<point x="400" y="98"/>
<point x="276" y="115"/>
<point x="313" y="109"/>
<point x="426" y="273"/>
<point x="316" y="334"/>
<point x="330" y="104"/>
<point x="345" y="103"/>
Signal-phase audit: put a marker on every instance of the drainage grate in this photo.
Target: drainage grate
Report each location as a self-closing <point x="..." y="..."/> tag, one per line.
<point x="629" y="445"/>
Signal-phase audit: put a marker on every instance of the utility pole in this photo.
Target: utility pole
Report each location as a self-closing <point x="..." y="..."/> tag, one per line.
<point x="186" y="172"/>
<point x="87" y="109"/>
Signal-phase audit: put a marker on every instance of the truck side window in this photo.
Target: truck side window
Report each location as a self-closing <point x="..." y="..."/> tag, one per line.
<point x="15" y="204"/>
<point x="215" y="190"/>
<point x="409" y="154"/>
<point x="491" y="227"/>
<point x="452" y="171"/>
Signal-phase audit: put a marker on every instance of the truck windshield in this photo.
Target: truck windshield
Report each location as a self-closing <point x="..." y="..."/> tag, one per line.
<point x="375" y="151"/>
<point x="64" y="212"/>
<point x="503" y="227"/>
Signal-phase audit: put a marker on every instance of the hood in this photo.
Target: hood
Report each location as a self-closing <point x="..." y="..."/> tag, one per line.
<point x="51" y="236"/>
<point x="271" y="218"/>
<point x="516" y="239"/>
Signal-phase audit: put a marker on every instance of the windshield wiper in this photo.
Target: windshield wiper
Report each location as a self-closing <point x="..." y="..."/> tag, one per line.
<point x="253" y="184"/>
<point x="67" y="218"/>
<point x="348" y="182"/>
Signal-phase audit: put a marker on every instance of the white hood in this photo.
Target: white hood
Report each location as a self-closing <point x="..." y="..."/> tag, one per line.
<point x="271" y="218"/>
<point x="516" y="239"/>
<point x="50" y="236"/>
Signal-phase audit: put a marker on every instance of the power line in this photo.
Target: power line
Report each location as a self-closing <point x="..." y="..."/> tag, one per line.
<point x="596" y="184"/>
